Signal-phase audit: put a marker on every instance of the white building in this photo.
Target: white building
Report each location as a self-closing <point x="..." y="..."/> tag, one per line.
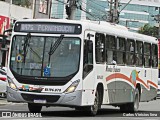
<point x="10" y="12"/>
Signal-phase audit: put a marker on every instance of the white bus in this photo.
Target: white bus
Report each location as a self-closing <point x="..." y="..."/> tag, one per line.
<point x="80" y="64"/>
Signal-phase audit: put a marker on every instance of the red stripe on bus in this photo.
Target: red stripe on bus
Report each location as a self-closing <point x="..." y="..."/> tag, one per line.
<point x="3" y="78"/>
<point x="119" y="75"/>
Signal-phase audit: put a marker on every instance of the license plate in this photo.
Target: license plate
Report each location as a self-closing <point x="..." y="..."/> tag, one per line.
<point x="39" y="101"/>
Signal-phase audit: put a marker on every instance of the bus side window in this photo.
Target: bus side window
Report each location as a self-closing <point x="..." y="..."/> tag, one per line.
<point x="154" y="55"/>
<point x="99" y="47"/>
<point x="130" y="52"/>
<point x="147" y="54"/>
<point x="121" y="51"/>
<point x="111" y="52"/>
<point x="139" y="53"/>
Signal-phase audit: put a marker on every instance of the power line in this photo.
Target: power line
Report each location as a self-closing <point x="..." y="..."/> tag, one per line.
<point x="95" y="11"/>
<point x="92" y="7"/>
<point x="125" y="6"/>
<point x="88" y="12"/>
<point x="97" y="4"/>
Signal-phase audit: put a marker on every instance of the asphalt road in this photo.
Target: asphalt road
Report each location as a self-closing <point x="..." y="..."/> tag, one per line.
<point x="18" y="111"/>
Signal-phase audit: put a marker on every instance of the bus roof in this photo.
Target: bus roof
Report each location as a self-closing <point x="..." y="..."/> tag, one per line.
<point x="101" y="27"/>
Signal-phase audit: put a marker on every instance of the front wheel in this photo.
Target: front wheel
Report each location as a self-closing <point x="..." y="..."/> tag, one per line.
<point x="94" y="108"/>
<point x="34" y="108"/>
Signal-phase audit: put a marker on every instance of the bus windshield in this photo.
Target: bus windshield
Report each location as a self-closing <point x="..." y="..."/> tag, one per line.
<point x="36" y="60"/>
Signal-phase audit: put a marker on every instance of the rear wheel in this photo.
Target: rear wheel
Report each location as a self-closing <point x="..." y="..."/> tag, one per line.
<point x="34" y="108"/>
<point x="132" y="107"/>
<point x="135" y="105"/>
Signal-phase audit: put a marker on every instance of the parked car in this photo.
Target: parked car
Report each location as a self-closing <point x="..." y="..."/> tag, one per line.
<point x="3" y="82"/>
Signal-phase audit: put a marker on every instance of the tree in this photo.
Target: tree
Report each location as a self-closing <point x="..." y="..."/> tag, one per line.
<point x="23" y="3"/>
<point x="149" y="30"/>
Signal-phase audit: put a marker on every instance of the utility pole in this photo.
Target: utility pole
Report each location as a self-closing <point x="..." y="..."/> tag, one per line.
<point x="33" y="9"/>
<point x="9" y="11"/>
<point x="110" y="13"/>
<point x="72" y="7"/>
<point x="113" y="12"/>
<point x="50" y="8"/>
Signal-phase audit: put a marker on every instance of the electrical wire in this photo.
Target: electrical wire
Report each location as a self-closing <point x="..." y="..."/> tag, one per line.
<point x="92" y="7"/>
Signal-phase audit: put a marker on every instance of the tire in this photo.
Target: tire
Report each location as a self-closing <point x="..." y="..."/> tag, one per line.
<point x="132" y="107"/>
<point x="34" y="108"/>
<point x="94" y="108"/>
<point x="135" y="105"/>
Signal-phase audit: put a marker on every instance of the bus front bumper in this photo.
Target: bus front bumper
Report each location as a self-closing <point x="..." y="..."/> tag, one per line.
<point x="67" y="99"/>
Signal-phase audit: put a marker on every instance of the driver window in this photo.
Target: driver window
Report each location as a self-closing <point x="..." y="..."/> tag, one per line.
<point x="88" y="57"/>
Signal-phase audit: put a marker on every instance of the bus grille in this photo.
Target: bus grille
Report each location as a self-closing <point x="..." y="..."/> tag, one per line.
<point x="48" y="98"/>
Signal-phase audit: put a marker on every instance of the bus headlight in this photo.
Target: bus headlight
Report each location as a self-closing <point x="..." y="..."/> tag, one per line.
<point x="11" y="84"/>
<point x="72" y="87"/>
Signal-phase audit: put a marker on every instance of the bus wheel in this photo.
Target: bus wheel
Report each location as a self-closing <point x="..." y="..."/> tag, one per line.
<point x="135" y="105"/>
<point x="94" y="108"/>
<point x="34" y="108"/>
<point x="132" y="107"/>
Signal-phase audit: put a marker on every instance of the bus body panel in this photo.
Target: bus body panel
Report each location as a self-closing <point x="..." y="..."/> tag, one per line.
<point x="124" y="84"/>
<point x="71" y="99"/>
<point x="118" y="81"/>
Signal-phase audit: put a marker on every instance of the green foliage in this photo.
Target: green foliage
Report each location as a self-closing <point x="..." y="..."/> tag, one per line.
<point x="23" y="3"/>
<point x="149" y="30"/>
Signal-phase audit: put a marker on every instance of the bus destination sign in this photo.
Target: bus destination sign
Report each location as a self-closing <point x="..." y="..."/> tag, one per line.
<point x="51" y="28"/>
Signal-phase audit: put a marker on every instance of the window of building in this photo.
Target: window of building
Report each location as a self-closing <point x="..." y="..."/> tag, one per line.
<point x="156" y="9"/>
<point x="99" y="47"/>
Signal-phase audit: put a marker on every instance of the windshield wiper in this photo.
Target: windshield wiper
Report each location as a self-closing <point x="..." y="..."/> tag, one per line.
<point x="54" y="47"/>
<point x="26" y="45"/>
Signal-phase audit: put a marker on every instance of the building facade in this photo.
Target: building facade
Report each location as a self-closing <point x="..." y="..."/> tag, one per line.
<point x="9" y="12"/>
<point x="133" y="15"/>
<point x="139" y="12"/>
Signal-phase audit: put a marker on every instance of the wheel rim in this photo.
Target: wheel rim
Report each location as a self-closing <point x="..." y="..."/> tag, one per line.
<point x="96" y="102"/>
<point x="136" y="104"/>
